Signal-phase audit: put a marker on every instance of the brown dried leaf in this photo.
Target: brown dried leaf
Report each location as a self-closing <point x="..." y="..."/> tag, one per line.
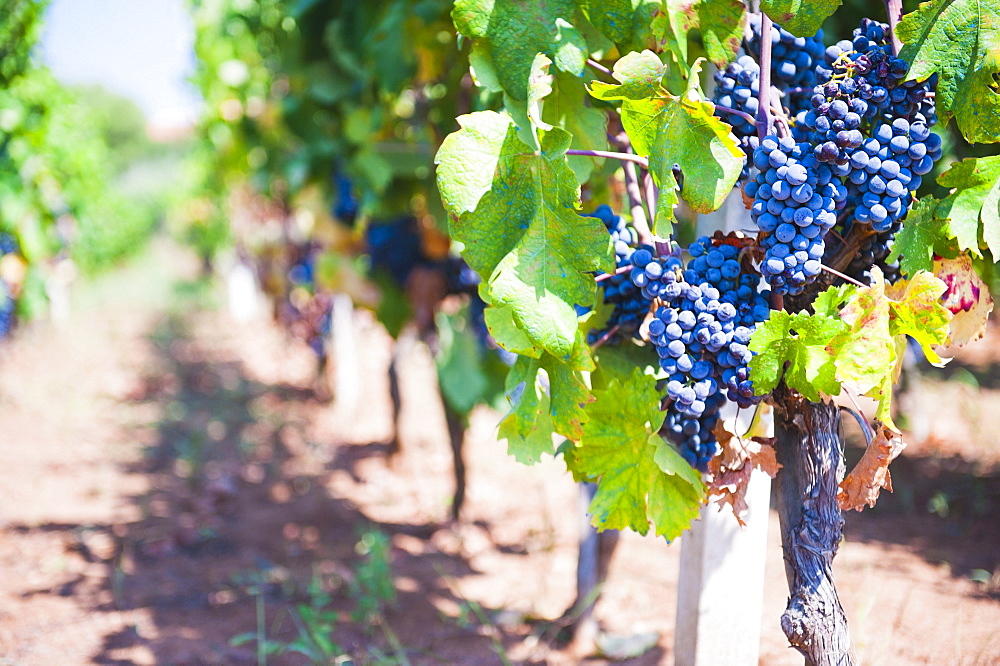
<point x="871" y="474"/>
<point x="731" y="469"/>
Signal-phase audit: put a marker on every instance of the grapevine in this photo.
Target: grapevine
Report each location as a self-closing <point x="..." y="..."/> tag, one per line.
<point x="571" y="148"/>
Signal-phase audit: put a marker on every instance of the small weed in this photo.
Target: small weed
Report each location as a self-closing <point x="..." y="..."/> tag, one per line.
<point x="372" y="590"/>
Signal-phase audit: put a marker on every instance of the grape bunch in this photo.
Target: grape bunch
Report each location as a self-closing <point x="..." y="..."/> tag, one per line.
<point x="700" y="332"/>
<point x="7" y="308"/>
<point x="794" y="202"/>
<point x="737" y="87"/>
<point x="629" y="301"/>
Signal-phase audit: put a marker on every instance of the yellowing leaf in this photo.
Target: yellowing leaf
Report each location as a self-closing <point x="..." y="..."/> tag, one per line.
<point x="967" y="297"/>
<point x="871" y="474"/>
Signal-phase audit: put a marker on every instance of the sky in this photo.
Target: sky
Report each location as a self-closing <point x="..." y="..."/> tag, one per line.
<point x="142" y="49"/>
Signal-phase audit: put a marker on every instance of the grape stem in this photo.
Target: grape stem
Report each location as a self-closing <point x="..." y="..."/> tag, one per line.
<point x="625" y="157"/>
<point x="606" y="276"/>
<point x="863" y="422"/>
<point x="894" y="10"/>
<point x="841" y="275"/>
<point x="599" y="67"/>
<point x="736" y="112"/>
<point x="607" y="336"/>
<point x="639" y="220"/>
<point x="763" y="121"/>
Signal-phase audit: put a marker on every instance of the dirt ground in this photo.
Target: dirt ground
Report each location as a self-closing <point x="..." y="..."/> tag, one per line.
<point x="172" y="481"/>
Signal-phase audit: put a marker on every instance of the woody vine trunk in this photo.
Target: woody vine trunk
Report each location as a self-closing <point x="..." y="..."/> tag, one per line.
<point x="811" y="453"/>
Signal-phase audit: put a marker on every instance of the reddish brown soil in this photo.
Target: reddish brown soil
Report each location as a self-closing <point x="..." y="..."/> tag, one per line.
<point x="167" y="473"/>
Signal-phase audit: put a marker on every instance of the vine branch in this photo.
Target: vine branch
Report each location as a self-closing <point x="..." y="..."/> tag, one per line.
<point x="625" y="157"/>
<point x="763" y="121"/>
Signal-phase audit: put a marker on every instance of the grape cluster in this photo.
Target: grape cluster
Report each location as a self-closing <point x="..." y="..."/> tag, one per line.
<point x="737" y="87"/>
<point x="874" y="251"/>
<point x="628" y="300"/>
<point x="700" y="333"/>
<point x="794" y="202"/>
<point x="8" y="245"/>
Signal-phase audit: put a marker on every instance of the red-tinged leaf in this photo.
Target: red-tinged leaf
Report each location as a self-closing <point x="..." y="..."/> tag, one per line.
<point x="731" y="469"/>
<point x="862" y="486"/>
<point x="966" y="296"/>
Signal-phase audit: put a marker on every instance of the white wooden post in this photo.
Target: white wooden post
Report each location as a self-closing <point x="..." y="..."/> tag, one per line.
<point x="344" y="355"/>
<point x="722" y="584"/>
<point x="242" y="292"/>
<point x="722" y="578"/>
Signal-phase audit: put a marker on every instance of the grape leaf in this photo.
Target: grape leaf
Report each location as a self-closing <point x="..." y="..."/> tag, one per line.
<point x="612" y="17"/>
<point x="871" y="473"/>
<point x="922" y="234"/>
<point x="828" y="303"/>
<point x="967" y="297"/>
<point x="799" y="340"/>
<point x="800" y="17"/>
<point x="528" y="427"/>
<point x="545" y="392"/>
<point x="460" y="368"/>
<point x="959" y="39"/>
<point x="565" y="108"/>
<point x="721" y="23"/>
<point x="501" y="325"/>
<point x="669" y="130"/>
<point x="972" y="205"/>
<point x="514" y="32"/>
<point x="865" y="352"/>
<point x="917" y="311"/>
<point x="516" y="215"/>
<point x="641" y="479"/>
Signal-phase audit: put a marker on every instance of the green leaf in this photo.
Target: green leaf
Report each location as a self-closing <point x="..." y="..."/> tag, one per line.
<point x="959" y="39"/>
<point x="500" y="322"/>
<point x="830" y="302"/>
<point x="528" y="448"/>
<point x="799" y="340"/>
<point x="972" y="205"/>
<point x="565" y="108"/>
<point x="612" y="17"/>
<point x="514" y="32"/>
<point x="671" y="130"/>
<point x="879" y="318"/>
<point x="546" y="397"/>
<point x="618" y="362"/>
<point x="460" y="368"/>
<point x="922" y="233"/>
<point x="721" y="23"/>
<point x="517" y="217"/>
<point x="800" y="17"/>
<point x="641" y="479"/>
